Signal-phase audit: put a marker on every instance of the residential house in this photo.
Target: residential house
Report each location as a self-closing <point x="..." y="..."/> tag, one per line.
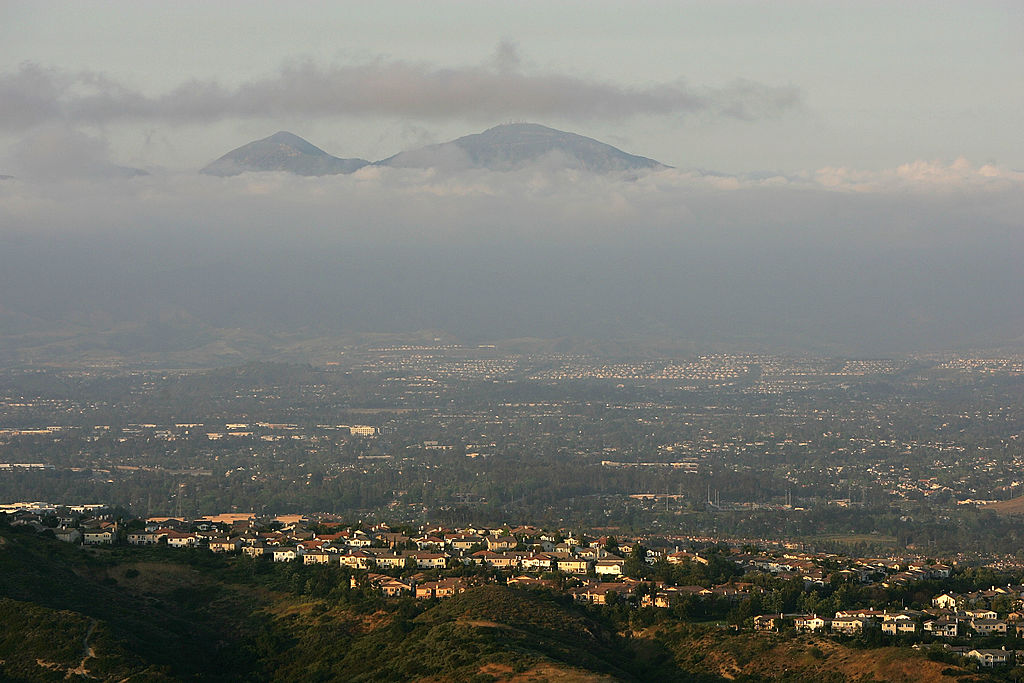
<point x="430" y="543"/>
<point x="981" y="614"/>
<point x="487" y="557"/>
<point x="464" y="541"/>
<point x="154" y="523"/>
<point x="180" y="539"/>
<point x="591" y="553"/>
<point x="768" y="622"/>
<point x="850" y="625"/>
<point x="356" y="559"/>
<point x="286" y="554"/>
<point x="394" y="540"/>
<point x="609" y="567"/>
<point x="387" y="560"/>
<point x="256" y="550"/>
<point x="990" y="658"/>
<point x="945" y="627"/>
<point x="538" y="562"/>
<point x="573" y="565"/>
<point x="949" y="601"/>
<point x="681" y="556"/>
<point x="810" y="623"/>
<point x="867" y="613"/>
<point x="395" y="587"/>
<point x="98" y="536"/>
<point x="501" y="543"/>
<point x="318" y="557"/>
<point x="143" y="538"/>
<point x="445" y="588"/>
<point x="597" y="593"/>
<point x="225" y="545"/>
<point x="900" y="624"/>
<point x="68" y="534"/>
<point x="659" y="598"/>
<point x="531" y="582"/>
<point x="987" y="627"/>
<point x="429" y="560"/>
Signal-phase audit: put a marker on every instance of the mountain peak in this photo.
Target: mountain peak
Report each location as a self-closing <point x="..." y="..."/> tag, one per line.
<point x="522" y="127"/>
<point x="515" y="145"/>
<point x="282" y="151"/>
<point x="283" y="137"/>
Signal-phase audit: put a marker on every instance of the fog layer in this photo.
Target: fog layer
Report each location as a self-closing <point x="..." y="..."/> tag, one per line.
<point x="923" y="257"/>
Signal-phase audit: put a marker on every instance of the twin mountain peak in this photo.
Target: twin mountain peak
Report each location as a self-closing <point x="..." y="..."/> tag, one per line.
<point x="502" y="148"/>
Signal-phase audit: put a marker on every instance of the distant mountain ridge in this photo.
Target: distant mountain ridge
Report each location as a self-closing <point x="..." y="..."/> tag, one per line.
<point x="282" y="151"/>
<point x="501" y="148"/>
<point x="514" y="145"/>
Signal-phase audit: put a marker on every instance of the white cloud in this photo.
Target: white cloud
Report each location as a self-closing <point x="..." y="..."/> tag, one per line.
<point x="921" y="175"/>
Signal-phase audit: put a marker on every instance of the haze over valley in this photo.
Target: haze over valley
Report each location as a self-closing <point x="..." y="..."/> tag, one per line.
<point x="522" y="231"/>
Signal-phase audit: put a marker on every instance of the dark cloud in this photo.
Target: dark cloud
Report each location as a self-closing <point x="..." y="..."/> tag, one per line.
<point x="498" y="90"/>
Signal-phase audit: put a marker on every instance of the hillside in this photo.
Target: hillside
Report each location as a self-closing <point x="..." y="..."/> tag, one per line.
<point x="767" y="657"/>
<point x="1013" y="506"/>
<point x="169" y="615"/>
<point x="69" y="609"/>
<point x="160" y="615"/>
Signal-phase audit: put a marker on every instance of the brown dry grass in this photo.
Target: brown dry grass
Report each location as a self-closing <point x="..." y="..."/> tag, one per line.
<point x="157" y="577"/>
<point x="816" y="657"/>
<point x="1014" y="506"/>
<point x="548" y="672"/>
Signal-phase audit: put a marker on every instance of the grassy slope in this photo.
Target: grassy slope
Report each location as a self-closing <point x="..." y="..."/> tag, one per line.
<point x="763" y="656"/>
<point x="495" y="629"/>
<point x="1013" y="506"/>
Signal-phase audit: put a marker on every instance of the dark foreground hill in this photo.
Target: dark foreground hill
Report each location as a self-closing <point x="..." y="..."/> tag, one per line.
<point x="158" y="614"/>
<point x="165" y="615"/>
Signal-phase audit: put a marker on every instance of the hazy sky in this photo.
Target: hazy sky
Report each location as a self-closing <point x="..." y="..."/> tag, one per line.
<point x="730" y="86"/>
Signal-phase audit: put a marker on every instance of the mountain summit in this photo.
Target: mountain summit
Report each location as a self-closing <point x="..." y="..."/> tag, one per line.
<point x="282" y="151"/>
<point x="515" y="145"/>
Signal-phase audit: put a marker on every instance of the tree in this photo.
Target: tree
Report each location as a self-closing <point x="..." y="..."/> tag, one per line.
<point x="635" y="565"/>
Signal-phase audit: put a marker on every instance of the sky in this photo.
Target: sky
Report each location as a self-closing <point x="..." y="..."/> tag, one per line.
<point x="845" y="176"/>
<point x="728" y="86"/>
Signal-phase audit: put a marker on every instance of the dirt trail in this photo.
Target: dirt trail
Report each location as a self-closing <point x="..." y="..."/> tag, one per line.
<point x="87" y="654"/>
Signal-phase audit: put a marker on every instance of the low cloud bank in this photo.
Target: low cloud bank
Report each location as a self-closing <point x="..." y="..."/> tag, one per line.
<point x="920" y="257"/>
<point x="920" y="201"/>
